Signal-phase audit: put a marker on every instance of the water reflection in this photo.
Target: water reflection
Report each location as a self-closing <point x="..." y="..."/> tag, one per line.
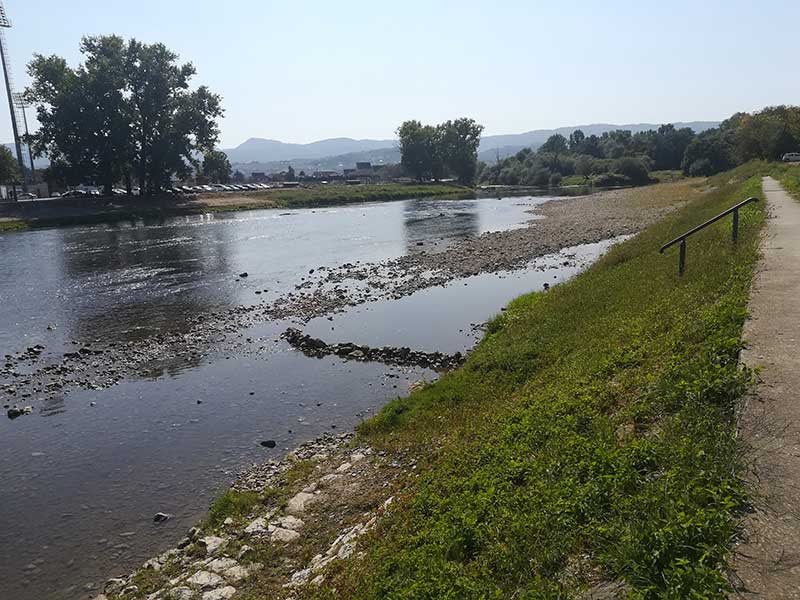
<point x="432" y="221"/>
<point x="129" y="282"/>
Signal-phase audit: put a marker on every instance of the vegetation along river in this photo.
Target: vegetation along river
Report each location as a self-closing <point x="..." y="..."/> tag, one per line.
<point x="150" y="355"/>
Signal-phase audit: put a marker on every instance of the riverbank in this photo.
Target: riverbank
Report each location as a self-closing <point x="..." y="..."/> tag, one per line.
<point x="595" y="422"/>
<point x="75" y="211"/>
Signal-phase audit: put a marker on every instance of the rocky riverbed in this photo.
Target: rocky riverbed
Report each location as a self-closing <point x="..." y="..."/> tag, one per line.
<point x="31" y="377"/>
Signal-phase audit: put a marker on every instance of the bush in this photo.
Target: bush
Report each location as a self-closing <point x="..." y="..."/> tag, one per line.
<point x="634" y="169"/>
<point x="555" y="179"/>
<point x="702" y="167"/>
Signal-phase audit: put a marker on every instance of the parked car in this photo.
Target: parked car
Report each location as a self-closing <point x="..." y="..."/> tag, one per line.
<point x="75" y="194"/>
<point x="26" y="196"/>
<point x="791" y="157"/>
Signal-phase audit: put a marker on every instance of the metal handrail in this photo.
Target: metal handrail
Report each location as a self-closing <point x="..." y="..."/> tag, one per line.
<point x="682" y="239"/>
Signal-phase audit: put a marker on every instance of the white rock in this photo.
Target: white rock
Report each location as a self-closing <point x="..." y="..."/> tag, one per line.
<point x="220" y="594"/>
<point x="298" y="504"/>
<point x="356" y="457"/>
<point x="218" y="565"/>
<point x="330" y="477"/>
<point x="236" y="574"/>
<point x="318" y="580"/>
<point x="257" y="527"/>
<point x="242" y="551"/>
<point x="213" y="543"/>
<point x="228" y="521"/>
<point x="388" y="502"/>
<point x="154" y="564"/>
<point x="181" y="593"/>
<point x="310" y="489"/>
<point x="284" y="535"/>
<point x="344" y="468"/>
<point x="299" y="578"/>
<point x="205" y="580"/>
<point x="290" y="522"/>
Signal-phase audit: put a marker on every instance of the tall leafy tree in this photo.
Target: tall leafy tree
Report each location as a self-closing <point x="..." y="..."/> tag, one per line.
<point x="9" y="167"/>
<point x="459" y="141"/>
<point x="127" y="112"/>
<point x="216" y="167"/>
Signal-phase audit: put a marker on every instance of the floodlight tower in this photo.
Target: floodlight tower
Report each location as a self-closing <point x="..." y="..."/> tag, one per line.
<point x="22" y="104"/>
<point x="6" y="23"/>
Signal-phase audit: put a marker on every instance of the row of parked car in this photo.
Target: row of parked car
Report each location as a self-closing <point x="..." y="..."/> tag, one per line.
<point x="180" y="189"/>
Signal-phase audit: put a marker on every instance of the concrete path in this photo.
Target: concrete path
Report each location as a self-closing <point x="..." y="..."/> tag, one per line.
<point x="767" y="563"/>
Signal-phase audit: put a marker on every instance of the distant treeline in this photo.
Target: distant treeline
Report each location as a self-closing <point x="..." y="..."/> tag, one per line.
<point x="625" y="158"/>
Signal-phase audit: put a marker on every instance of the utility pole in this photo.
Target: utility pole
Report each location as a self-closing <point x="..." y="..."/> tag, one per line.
<point x="6" y="23"/>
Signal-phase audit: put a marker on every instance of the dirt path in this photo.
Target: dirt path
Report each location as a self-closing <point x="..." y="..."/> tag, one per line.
<point x="768" y="561"/>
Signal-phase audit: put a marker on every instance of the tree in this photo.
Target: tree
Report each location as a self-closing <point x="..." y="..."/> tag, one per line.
<point x="290" y="174"/>
<point x="417" y="148"/>
<point x="458" y="142"/>
<point x="556" y="145"/>
<point x="127" y="111"/>
<point x="216" y="167"/>
<point x="9" y="167"/>
<point x="239" y="177"/>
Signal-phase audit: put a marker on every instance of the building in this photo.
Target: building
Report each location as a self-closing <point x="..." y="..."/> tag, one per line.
<point x="363" y="173"/>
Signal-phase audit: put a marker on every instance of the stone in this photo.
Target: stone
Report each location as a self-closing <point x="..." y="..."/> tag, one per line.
<point x="152" y="564"/>
<point x="242" y="551"/>
<point x="269" y="444"/>
<point x="243" y="275"/>
<point x="161" y="517"/>
<point x="357" y="457"/>
<point x="220" y="594"/>
<point x="286" y="536"/>
<point x="290" y="522"/>
<point x="299" y="502"/>
<point x="16" y="411"/>
<point x="181" y="593"/>
<point x="205" y="580"/>
<point x="257" y="527"/>
<point x="228" y="521"/>
<point x="344" y="468"/>
<point x="213" y="543"/>
<point x="114" y="584"/>
<point x="236" y="574"/>
<point x="219" y="565"/>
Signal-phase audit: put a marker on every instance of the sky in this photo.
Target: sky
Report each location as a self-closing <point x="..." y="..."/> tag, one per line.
<point x="301" y="71"/>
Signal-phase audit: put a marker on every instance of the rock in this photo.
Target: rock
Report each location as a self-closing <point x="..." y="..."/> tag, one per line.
<point x="318" y="580"/>
<point x="220" y="594"/>
<point x="228" y="521"/>
<point x="243" y="551"/>
<point x="17" y="411"/>
<point x="161" y="517"/>
<point x="298" y="504"/>
<point x="344" y="467"/>
<point x="286" y="536"/>
<point x="205" y="580"/>
<point x="213" y="543"/>
<point x="244" y="275"/>
<point x="152" y="564"/>
<point x="114" y="585"/>
<point x="236" y="574"/>
<point x="181" y="593"/>
<point x="356" y="457"/>
<point x="290" y="522"/>
<point x="220" y="565"/>
<point x="269" y="444"/>
<point x="257" y="527"/>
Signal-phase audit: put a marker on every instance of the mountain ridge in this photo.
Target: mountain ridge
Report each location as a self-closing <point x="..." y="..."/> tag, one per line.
<point x="263" y="154"/>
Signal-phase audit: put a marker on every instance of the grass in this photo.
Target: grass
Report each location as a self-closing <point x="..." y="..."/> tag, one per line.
<point x="232" y="504"/>
<point x="590" y="436"/>
<point x="12" y="225"/>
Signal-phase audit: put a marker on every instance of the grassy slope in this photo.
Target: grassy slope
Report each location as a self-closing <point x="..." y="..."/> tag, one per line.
<point x="589" y="437"/>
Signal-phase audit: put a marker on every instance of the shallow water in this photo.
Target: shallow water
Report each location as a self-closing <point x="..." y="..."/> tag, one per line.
<point x="84" y="475"/>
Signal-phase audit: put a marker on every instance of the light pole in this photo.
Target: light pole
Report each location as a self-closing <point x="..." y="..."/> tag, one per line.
<point x="20" y="103"/>
<point x="6" y="23"/>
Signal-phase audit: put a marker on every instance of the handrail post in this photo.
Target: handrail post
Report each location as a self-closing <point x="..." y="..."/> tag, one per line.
<point x="735" y="225"/>
<point x="682" y="263"/>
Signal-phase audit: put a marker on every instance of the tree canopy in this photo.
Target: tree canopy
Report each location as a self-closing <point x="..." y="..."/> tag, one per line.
<point x="126" y="113"/>
<point x="216" y="167"/>
<point x="431" y="152"/>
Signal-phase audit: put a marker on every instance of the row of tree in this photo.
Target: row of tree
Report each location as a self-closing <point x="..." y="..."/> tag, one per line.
<point x="622" y="157"/>
<point x="438" y="151"/>
<point x="126" y="114"/>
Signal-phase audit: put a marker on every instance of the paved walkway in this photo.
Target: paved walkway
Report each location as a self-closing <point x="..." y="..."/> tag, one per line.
<point x="768" y="562"/>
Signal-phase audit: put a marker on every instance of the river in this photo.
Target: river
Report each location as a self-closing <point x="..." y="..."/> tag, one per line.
<point x="84" y="474"/>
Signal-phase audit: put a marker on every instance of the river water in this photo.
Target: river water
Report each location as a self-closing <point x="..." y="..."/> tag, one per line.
<point x="83" y="476"/>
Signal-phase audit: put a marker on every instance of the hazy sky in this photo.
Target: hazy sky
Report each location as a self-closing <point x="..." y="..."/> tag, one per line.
<point x="306" y="70"/>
